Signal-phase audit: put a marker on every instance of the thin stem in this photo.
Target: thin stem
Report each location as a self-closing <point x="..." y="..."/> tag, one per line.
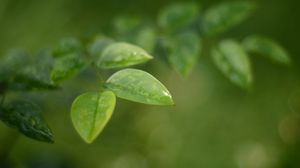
<point x="98" y="74"/>
<point x="100" y="77"/>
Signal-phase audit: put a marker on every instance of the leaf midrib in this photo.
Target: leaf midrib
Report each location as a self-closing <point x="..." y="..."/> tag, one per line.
<point x="94" y="118"/>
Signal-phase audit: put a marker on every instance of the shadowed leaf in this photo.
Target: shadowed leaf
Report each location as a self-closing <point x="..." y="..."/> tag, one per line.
<point x="27" y="118"/>
<point x="268" y="48"/>
<point x="233" y="62"/>
<point x="67" y="46"/>
<point x="67" y="67"/>
<point x="224" y="16"/>
<point x="183" y="51"/>
<point x="178" y="16"/>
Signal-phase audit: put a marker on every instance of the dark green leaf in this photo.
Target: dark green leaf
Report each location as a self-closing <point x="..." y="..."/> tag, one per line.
<point x="67" y="67"/>
<point x="19" y="71"/>
<point x="27" y="81"/>
<point x="224" y="16"/>
<point x="118" y="55"/>
<point x="139" y="86"/>
<point x="27" y="118"/>
<point x="12" y="63"/>
<point x="184" y="50"/>
<point x="267" y="48"/>
<point x="178" y="16"/>
<point x="234" y="63"/>
<point x="36" y="75"/>
<point x="90" y="113"/>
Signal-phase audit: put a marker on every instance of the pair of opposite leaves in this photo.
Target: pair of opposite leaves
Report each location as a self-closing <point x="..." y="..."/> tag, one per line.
<point x="91" y="111"/>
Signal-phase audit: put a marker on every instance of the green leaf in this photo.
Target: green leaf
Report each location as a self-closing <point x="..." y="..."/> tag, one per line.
<point x="27" y="118"/>
<point x="146" y="38"/>
<point x="138" y="86"/>
<point x="67" y="46"/>
<point x="67" y="67"/>
<point x="224" y="16"/>
<point x="183" y="51"/>
<point x="234" y="63"/>
<point x="268" y="48"/>
<point x="90" y="113"/>
<point x="178" y="16"/>
<point x="118" y="55"/>
<point x="69" y="60"/>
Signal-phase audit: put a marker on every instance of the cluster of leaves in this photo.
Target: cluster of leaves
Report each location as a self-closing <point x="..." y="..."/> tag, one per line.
<point x="177" y="37"/>
<point x="185" y="28"/>
<point x="90" y="111"/>
<point x="21" y="72"/>
<point x="182" y="29"/>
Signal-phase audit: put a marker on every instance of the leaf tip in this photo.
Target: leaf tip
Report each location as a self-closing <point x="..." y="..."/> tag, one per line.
<point x="89" y="140"/>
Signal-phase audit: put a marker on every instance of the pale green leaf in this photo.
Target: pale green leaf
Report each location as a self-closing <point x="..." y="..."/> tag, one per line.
<point x="139" y="86"/>
<point x="183" y="51"/>
<point x="90" y="113"/>
<point x="268" y="48"/>
<point x="224" y="16"/>
<point x="234" y="63"/>
<point x="178" y="16"/>
<point x="121" y="54"/>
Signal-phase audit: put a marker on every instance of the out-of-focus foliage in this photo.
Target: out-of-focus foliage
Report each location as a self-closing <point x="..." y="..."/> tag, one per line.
<point x="69" y="60"/>
<point x="19" y="71"/>
<point x="224" y="16"/>
<point x="178" y="16"/>
<point x="183" y="51"/>
<point x="213" y="124"/>
<point x="267" y="48"/>
<point x="233" y="61"/>
<point x="67" y="67"/>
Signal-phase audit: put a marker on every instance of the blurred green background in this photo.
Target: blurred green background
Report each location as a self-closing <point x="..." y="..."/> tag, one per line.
<point x="214" y="124"/>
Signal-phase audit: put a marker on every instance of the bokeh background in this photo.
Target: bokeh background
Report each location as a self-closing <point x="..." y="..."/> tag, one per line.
<point x="214" y="124"/>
